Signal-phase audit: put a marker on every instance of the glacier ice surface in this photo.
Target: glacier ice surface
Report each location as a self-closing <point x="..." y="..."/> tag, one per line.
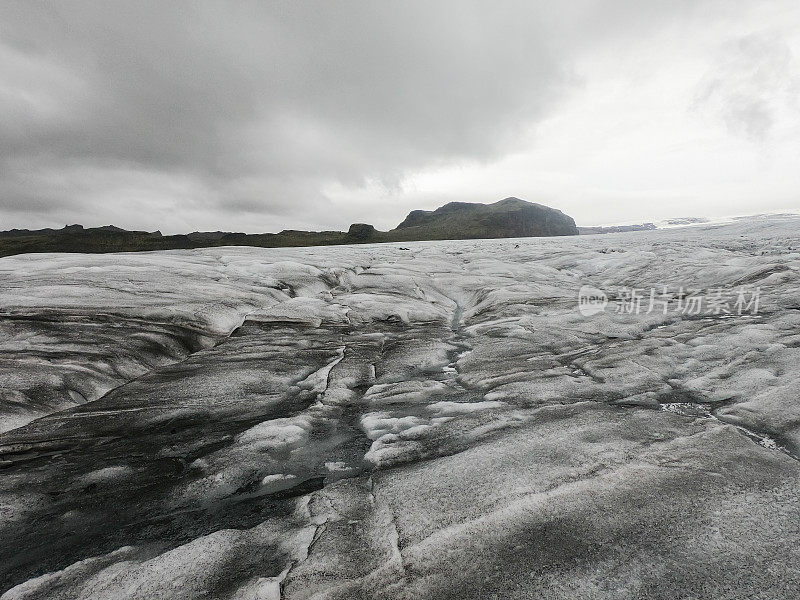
<point x="369" y="422"/>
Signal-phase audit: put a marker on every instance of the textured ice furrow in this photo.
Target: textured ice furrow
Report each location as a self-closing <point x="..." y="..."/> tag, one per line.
<point x="111" y="366"/>
<point x="706" y="410"/>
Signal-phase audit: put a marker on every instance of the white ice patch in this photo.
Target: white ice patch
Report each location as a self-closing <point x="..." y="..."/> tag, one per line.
<point x="379" y="424"/>
<point x="107" y="474"/>
<point x="277" y="433"/>
<point x="446" y="409"/>
<point x="336" y="466"/>
<point x="277" y="477"/>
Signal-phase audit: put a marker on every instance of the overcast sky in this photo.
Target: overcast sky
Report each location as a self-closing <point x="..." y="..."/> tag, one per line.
<point x="261" y="116"/>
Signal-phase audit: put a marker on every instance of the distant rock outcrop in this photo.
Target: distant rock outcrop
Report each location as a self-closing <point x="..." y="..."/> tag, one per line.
<point x="361" y="232"/>
<point x="510" y="217"/>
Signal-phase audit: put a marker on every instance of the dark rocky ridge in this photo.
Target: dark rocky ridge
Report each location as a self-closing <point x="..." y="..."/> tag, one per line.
<point x="510" y="217"/>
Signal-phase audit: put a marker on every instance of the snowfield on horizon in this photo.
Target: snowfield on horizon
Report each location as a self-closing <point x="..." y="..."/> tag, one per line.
<point x="408" y="420"/>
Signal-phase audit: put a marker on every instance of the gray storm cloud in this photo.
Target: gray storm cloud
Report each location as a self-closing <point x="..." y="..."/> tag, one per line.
<point x="184" y="115"/>
<point x="256" y="105"/>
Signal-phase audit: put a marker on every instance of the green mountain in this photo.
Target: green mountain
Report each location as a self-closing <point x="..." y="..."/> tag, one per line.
<point x="511" y="217"/>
